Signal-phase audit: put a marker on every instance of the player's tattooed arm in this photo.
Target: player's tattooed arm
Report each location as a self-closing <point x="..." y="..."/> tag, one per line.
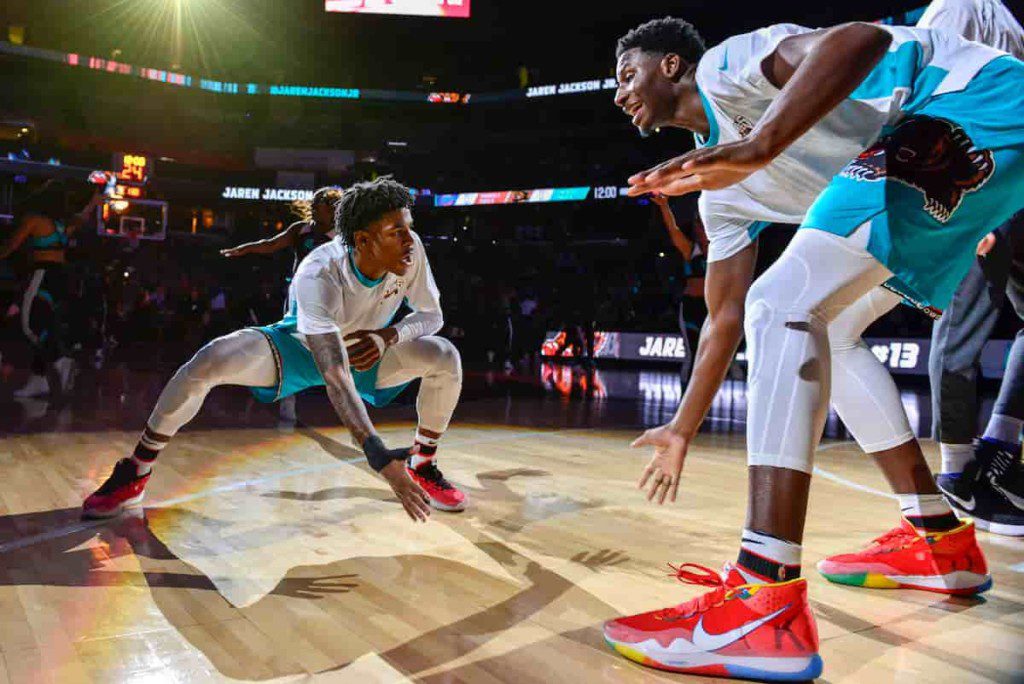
<point x="328" y="352"/>
<point x="331" y="359"/>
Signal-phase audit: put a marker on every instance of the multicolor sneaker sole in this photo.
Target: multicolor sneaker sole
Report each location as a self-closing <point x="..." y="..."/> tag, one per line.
<point x="959" y="583"/>
<point x="766" y="669"/>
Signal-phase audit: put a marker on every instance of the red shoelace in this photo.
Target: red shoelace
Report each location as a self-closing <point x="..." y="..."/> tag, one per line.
<point x="894" y="539"/>
<point x="702" y="576"/>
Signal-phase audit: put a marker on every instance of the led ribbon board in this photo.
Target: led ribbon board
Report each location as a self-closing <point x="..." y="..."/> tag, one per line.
<point x="466" y="199"/>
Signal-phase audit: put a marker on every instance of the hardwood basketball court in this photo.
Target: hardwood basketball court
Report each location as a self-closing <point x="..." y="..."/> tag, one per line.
<point x="269" y="555"/>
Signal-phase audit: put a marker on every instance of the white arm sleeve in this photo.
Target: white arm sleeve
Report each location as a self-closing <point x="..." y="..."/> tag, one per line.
<point x="423" y="299"/>
<point x="318" y="302"/>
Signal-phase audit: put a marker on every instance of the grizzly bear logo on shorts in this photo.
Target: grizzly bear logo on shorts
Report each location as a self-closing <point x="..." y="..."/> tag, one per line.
<point x="932" y="155"/>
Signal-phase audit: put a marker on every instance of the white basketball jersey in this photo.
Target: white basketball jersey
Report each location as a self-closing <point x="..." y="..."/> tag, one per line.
<point x="919" y="65"/>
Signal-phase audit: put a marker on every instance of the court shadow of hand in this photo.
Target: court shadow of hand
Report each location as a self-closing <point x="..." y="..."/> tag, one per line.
<point x="605" y="558"/>
<point x="316" y="587"/>
<point x="332" y="494"/>
<point x="505" y="475"/>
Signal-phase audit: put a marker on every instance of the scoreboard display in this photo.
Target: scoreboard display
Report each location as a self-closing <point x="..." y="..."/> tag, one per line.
<point x="132" y="168"/>
<point x="421" y="8"/>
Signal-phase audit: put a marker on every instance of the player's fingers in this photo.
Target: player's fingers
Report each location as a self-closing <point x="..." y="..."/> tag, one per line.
<point x="418" y="490"/>
<point x="361" y="353"/>
<point x="666" y="487"/>
<point x="418" y="504"/>
<point x="409" y="510"/>
<point x="358" y="354"/>
<point x="655" y="485"/>
<point x="645" y="476"/>
<point x="641" y="175"/>
<point x="701" y="158"/>
<point x="663" y="175"/>
<point x="675" y="488"/>
<point x="683" y="186"/>
<point x="419" y="501"/>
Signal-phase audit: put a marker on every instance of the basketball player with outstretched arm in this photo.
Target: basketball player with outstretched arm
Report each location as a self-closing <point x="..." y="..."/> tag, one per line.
<point x="896" y="150"/>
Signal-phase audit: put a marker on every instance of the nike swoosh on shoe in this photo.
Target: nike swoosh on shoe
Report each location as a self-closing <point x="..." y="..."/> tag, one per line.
<point x="1011" y="497"/>
<point x="702" y="641"/>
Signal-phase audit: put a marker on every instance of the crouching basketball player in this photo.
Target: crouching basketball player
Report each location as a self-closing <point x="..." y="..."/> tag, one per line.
<point x="339" y="332"/>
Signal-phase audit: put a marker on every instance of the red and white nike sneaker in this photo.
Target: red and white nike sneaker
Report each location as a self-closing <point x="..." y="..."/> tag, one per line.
<point x="748" y="631"/>
<point x="946" y="562"/>
<point x="443" y="495"/>
<point x="124" y="487"/>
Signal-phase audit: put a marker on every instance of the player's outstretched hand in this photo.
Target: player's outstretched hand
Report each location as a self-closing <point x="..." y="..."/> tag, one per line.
<point x="410" y="494"/>
<point x="233" y="252"/>
<point x="707" y="168"/>
<point x="666" y="467"/>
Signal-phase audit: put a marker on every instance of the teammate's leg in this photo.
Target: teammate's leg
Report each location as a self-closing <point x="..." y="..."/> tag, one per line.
<point x="957" y="341"/>
<point x="997" y="485"/>
<point x="243" y="357"/>
<point x="34" y="316"/>
<point x="982" y="477"/>
<point x="436" y="361"/>
<point x="1007" y="418"/>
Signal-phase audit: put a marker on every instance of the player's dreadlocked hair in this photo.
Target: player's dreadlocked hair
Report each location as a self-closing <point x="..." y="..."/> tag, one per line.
<point x="304" y="208"/>
<point x="364" y="203"/>
<point x="668" y="35"/>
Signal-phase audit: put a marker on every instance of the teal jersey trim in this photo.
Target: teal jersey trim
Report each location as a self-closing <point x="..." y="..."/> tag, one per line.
<point x="366" y="282"/>
<point x="924" y="87"/>
<point x="902" y="69"/>
<point x="756" y="227"/>
<point x="297" y="371"/>
<point x="712" y="138"/>
<point x="897" y="69"/>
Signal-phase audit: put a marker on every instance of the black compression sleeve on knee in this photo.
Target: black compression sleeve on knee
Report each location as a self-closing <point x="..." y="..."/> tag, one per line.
<point x="379" y="455"/>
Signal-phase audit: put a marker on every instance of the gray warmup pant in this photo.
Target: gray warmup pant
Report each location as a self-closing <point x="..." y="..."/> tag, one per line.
<point x="959" y="336"/>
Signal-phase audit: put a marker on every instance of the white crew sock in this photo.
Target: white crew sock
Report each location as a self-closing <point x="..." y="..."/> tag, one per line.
<point x="927" y="512"/>
<point x="955" y="457"/>
<point x="764" y="558"/>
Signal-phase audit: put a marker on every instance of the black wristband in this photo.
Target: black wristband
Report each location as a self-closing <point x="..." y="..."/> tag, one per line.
<point x="379" y="455"/>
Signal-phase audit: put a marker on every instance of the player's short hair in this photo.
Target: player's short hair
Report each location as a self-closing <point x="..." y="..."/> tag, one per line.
<point x="664" y="36"/>
<point x="364" y="203"/>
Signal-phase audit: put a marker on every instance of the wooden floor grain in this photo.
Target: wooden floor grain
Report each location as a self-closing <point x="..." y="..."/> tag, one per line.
<point x="264" y="555"/>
